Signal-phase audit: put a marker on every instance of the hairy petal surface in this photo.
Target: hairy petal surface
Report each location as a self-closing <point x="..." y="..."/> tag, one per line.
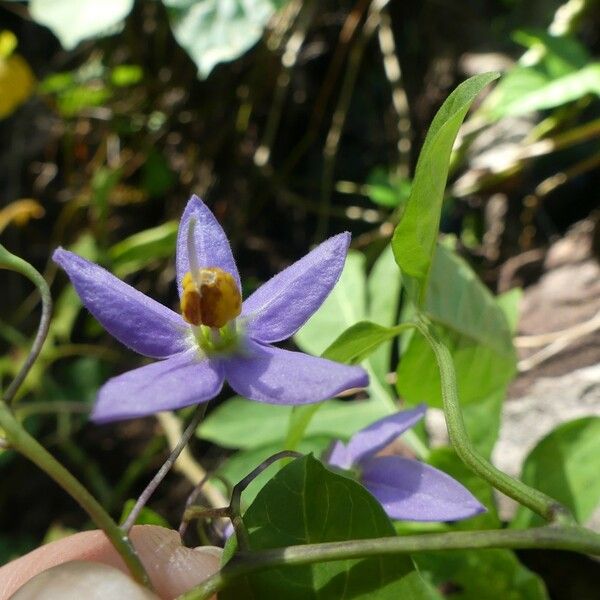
<point x="409" y="490"/>
<point x="170" y="384"/>
<point x="136" y="320"/>
<point x="370" y="440"/>
<point x="277" y="376"/>
<point x="212" y="246"/>
<point x="284" y="303"/>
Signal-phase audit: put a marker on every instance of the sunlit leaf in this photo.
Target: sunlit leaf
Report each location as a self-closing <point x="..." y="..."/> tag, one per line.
<point x="568" y="88"/>
<point x="238" y="423"/>
<point x="565" y="466"/>
<point x="216" y="31"/>
<point x="293" y="509"/>
<point x="136" y="251"/>
<point x="416" y="234"/>
<point x="72" y="21"/>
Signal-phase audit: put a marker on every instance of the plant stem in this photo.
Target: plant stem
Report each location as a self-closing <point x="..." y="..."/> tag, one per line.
<point x="19" y="439"/>
<point x="22" y="442"/>
<point x="162" y="472"/>
<point x="14" y="263"/>
<point x="538" y="502"/>
<point x="557" y="537"/>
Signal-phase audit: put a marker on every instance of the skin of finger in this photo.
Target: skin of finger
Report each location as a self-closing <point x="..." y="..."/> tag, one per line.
<point x="76" y="579"/>
<point x="172" y="568"/>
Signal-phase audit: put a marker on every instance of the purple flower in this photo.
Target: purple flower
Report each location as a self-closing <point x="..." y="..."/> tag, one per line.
<point x="217" y="338"/>
<point x="407" y="489"/>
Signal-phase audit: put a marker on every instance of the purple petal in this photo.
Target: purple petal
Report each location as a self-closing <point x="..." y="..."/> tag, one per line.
<point x="212" y="246"/>
<point x="276" y="376"/>
<point x="338" y="456"/>
<point x="409" y="490"/>
<point x="367" y="442"/>
<point x="134" y="319"/>
<point x="284" y="303"/>
<point x="170" y="384"/>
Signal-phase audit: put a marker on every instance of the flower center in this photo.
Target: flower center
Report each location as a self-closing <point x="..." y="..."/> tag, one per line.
<point x="210" y="297"/>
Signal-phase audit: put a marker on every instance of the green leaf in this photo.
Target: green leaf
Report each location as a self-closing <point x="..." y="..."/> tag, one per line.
<point x="74" y="20"/>
<point x="516" y="84"/>
<point x="478" y="574"/>
<point x="136" y="251"/>
<point x="565" y="465"/>
<point x="359" y="341"/>
<point x="237" y="466"/>
<point x="238" y="423"/>
<point x="567" y="88"/>
<point x="293" y="509"/>
<point x="213" y="31"/>
<point x="125" y="75"/>
<point x="157" y="176"/>
<point x="559" y="55"/>
<point x="383" y="292"/>
<point x="456" y="298"/>
<point x="147" y="516"/>
<point x="415" y="236"/>
<point x="476" y="328"/>
<point x="387" y="190"/>
<point x="345" y="306"/>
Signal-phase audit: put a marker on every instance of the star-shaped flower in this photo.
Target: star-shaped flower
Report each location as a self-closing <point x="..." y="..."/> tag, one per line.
<point x="407" y="489"/>
<point x="217" y="338"/>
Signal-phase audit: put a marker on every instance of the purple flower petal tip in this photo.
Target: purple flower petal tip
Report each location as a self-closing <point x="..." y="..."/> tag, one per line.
<point x="276" y="376"/>
<point x="210" y="242"/>
<point x="370" y="440"/>
<point x="410" y="490"/>
<point x="133" y="318"/>
<point x="284" y="303"/>
<point x="169" y="384"/>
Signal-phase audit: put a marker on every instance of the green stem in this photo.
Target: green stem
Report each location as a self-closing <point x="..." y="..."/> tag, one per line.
<point x="538" y="502"/>
<point x="14" y="263"/>
<point x="22" y="442"/>
<point x="556" y="537"/>
<point x="18" y="438"/>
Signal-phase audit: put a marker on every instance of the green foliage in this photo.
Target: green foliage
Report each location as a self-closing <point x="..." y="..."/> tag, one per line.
<point x="565" y="465"/>
<point x="387" y="190"/>
<point x="415" y="236"/>
<point x="237" y="466"/>
<point x="212" y="31"/>
<point x="357" y="298"/>
<point x="75" y="20"/>
<point x="477" y="574"/>
<point x="470" y="574"/>
<point x="238" y="423"/>
<point x="293" y="509"/>
<point x="147" y="516"/>
<point x="359" y="341"/>
<point x="562" y="73"/>
<point x="138" y="250"/>
<point x="475" y="328"/>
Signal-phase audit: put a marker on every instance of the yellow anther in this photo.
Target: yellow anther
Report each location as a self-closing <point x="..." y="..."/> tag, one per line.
<point x="212" y="298"/>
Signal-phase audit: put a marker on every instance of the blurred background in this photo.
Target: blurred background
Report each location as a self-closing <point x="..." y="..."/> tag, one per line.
<point x="293" y="121"/>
